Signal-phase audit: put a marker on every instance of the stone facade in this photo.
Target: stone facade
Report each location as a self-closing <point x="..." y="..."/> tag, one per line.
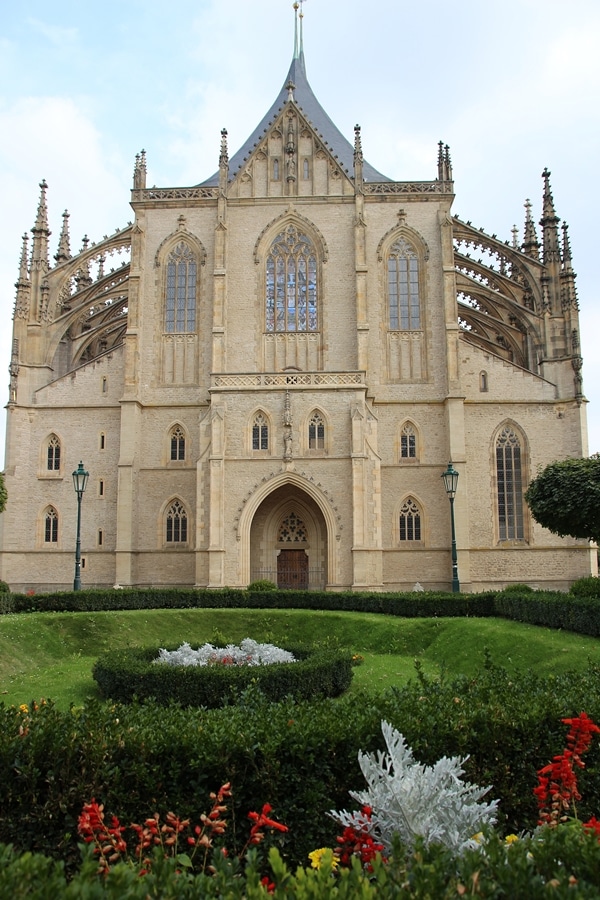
<point x="272" y="383"/>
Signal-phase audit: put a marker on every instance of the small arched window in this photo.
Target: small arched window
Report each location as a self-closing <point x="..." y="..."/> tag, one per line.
<point x="291" y="284"/>
<point x="50" y="526"/>
<point x="177" y="444"/>
<point x="176" y="523"/>
<point x="316" y="432"/>
<point x="408" y="442"/>
<point x="180" y="300"/>
<point x="483" y="382"/>
<point x="403" y="287"/>
<point x="275" y="170"/>
<point x="410" y="521"/>
<point x="53" y="454"/>
<point x="260" y="433"/>
<point x="510" y="485"/>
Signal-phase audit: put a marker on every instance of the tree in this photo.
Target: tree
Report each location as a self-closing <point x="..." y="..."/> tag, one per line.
<point x="565" y="498"/>
<point x="3" y="493"/>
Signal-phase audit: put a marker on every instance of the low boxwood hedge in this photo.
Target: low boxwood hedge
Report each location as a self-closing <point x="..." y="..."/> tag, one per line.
<point x="122" y="675"/>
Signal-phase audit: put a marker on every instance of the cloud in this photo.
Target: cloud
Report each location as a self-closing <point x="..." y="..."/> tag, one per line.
<point x="57" y="35"/>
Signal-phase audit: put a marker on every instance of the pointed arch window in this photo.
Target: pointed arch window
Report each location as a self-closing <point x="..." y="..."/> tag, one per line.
<point x="410" y="521"/>
<point x="176" y="523"/>
<point x="408" y="442"/>
<point x="53" y="454"/>
<point x="260" y="433"/>
<point x="510" y="485"/>
<point x="177" y="444"/>
<point x="316" y="432"/>
<point x="403" y="287"/>
<point x="291" y="289"/>
<point x="180" y="300"/>
<point x="50" y="526"/>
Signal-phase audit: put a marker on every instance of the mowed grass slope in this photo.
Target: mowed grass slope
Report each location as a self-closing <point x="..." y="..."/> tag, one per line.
<point x="51" y="654"/>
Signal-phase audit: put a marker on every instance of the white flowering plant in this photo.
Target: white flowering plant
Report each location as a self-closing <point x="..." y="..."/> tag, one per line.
<point x="249" y="653"/>
<point x="408" y="799"/>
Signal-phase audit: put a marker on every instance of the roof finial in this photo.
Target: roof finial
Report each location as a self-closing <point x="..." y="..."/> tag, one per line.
<point x="296" y="5"/>
<point x="301" y="30"/>
<point x="549" y="223"/>
<point x="64" y="248"/>
<point x="531" y="245"/>
<point x="41" y="232"/>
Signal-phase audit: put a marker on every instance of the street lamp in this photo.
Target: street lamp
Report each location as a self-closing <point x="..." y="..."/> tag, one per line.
<point x="450" y="477"/>
<point x="80" y="479"/>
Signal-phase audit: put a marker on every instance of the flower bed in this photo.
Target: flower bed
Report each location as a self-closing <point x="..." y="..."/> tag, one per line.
<point x="249" y="653"/>
<point x="122" y="675"/>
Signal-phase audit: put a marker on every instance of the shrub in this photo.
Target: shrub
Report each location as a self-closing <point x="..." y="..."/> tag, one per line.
<point x="586" y="587"/>
<point x="124" y="674"/>
<point x="518" y="589"/>
<point x="263" y="584"/>
<point x="4" y="588"/>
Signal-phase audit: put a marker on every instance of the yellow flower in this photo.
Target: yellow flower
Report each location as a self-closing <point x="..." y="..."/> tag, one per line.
<point x="478" y="838"/>
<point x="511" y="838"/>
<point x="24" y="708"/>
<point x="316" y="858"/>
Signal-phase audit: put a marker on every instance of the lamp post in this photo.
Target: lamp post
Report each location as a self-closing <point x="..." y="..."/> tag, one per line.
<point x="450" y="477"/>
<point x="80" y="478"/>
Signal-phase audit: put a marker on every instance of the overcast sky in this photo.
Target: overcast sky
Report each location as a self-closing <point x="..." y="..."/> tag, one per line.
<point x="511" y="85"/>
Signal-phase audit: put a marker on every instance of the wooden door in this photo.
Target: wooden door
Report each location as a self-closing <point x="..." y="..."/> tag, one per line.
<point x="292" y="570"/>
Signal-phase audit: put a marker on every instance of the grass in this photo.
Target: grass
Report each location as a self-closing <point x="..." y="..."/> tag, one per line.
<point x="51" y="654"/>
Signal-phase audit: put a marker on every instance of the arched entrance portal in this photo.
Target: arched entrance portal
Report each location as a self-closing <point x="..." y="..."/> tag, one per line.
<point x="288" y="541"/>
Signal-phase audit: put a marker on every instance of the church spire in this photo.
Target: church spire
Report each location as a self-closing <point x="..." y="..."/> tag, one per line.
<point x="298" y="36"/>
<point x="549" y="223"/>
<point x="41" y="233"/>
<point x="23" y="285"/>
<point x="531" y="245"/>
<point x="64" y="247"/>
<point x="567" y="275"/>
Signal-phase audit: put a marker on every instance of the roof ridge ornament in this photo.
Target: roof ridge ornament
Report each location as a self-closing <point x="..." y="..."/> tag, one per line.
<point x="298" y="34"/>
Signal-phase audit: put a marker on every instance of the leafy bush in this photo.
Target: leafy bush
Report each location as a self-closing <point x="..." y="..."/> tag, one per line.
<point x="586" y="587"/>
<point x="124" y="674"/>
<point x="262" y="585"/>
<point x="518" y="589"/>
<point x="301" y="757"/>
<point x="4" y="588"/>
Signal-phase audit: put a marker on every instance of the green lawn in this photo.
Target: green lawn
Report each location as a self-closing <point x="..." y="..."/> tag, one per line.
<point x="51" y="654"/>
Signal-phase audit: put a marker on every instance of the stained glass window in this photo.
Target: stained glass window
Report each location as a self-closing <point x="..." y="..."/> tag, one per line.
<point x="180" y="306"/>
<point x="510" y="485"/>
<point x="291" y="301"/>
<point x="176" y="522"/>
<point x="410" y="521"/>
<point x="403" y="287"/>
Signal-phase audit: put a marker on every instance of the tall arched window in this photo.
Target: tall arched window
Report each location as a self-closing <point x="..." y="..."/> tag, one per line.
<point x="403" y="287"/>
<point x="50" y="526"/>
<point x="291" y="289"/>
<point x="180" y="300"/>
<point x="260" y="433"/>
<point x="510" y="485"/>
<point x="410" y="521"/>
<point x="177" y="444"/>
<point x="53" y="454"/>
<point x="316" y="432"/>
<point x="176" y="523"/>
<point x="408" y="442"/>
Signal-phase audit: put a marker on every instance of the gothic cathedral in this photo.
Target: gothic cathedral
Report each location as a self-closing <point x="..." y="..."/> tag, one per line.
<point x="273" y="376"/>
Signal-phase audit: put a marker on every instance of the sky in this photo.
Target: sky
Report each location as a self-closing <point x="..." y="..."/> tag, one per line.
<point x="512" y="86"/>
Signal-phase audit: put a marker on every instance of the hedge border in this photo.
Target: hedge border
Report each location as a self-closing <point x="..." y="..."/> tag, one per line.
<point x="127" y="674"/>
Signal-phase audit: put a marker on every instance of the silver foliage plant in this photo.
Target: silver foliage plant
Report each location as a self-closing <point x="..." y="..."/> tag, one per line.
<point x="249" y="653"/>
<point x="409" y="799"/>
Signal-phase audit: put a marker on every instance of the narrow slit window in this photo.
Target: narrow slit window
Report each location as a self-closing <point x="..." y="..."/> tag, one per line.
<point x="51" y="526"/>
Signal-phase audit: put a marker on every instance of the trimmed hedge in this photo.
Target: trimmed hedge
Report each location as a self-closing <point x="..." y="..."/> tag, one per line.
<point x="300" y="757"/>
<point x="123" y="675"/>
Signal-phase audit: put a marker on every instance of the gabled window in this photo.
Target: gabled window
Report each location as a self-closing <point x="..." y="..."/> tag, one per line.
<point x="260" y="433"/>
<point x="316" y="432"/>
<point x="403" y="287"/>
<point x="180" y="300"/>
<point x="177" y="444"/>
<point x="510" y="485"/>
<point x="53" y="454"/>
<point x="410" y="521"/>
<point x="176" y="523"/>
<point x="408" y="442"/>
<point x="291" y="283"/>
<point x="50" y="526"/>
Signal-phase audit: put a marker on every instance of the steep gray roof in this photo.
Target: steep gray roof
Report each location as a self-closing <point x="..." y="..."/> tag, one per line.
<point x="308" y="104"/>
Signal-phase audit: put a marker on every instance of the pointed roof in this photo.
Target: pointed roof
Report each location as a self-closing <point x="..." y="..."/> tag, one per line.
<point x="312" y="110"/>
